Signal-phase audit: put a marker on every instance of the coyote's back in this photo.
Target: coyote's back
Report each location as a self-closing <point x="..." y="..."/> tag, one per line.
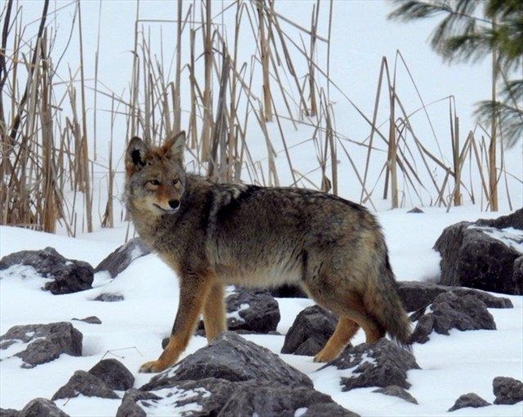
<point x="217" y="234"/>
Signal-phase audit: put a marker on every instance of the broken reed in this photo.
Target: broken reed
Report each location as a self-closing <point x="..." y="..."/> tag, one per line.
<point x="47" y="173"/>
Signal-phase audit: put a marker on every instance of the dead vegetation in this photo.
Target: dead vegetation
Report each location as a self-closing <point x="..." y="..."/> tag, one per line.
<point x="234" y="108"/>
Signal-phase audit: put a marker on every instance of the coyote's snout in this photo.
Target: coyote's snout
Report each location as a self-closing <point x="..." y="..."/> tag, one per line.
<point x="214" y="234"/>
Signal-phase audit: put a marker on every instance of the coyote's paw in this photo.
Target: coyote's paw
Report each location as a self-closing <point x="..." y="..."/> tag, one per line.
<point x="323" y="357"/>
<point x="152" y="367"/>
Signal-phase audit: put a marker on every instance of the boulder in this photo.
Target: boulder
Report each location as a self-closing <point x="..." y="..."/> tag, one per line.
<point x="264" y="398"/>
<point x="250" y="311"/>
<point x="507" y="390"/>
<point x="206" y="397"/>
<point x="90" y="320"/>
<point x="9" y="412"/>
<point x="109" y="298"/>
<point x="130" y="404"/>
<point x="46" y="342"/>
<point x="450" y="311"/>
<point x="122" y="257"/>
<point x="84" y="383"/>
<point x="40" y="407"/>
<point x="417" y="295"/>
<point x="469" y="400"/>
<point x="396" y="391"/>
<point x="310" y="331"/>
<point x="374" y="365"/>
<point x="233" y="358"/>
<point x="68" y="275"/>
<point x="114" y="374"/>
<point x="483" y="254"/>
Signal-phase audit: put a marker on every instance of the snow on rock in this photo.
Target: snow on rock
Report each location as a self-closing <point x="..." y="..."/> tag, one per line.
<point x="483" y="254"/>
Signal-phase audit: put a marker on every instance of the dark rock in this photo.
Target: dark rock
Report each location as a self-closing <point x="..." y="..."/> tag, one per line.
<point x="264" y="398"/>
<point x="122" y="257"/>
<point x="288" y="291"/>
<point x="208" y="396"/>
<point x="416" y="295"/>
<point x="514" y="220"/>
<point x="9" y="412"/>
<point x="250" y="311"/>
<point x="40" y="407"/>
<point x="129" y="406"/>
<point x="375" y="365"/>
<point x="310" y="331"/>
<point x="507" y="390"/>
<point x="46" y="342"/>
<point x="415" y="210"/>
<point x="327" y="410"/>
<point x="450" y="311"/>
<point x="395" y="391"/>
<point x="233" y="358"/>
<point x="473" y="257"/>
<point x="69" y="275"/>
<point x="109" y="298"/>
<point x="518" y="269"/>
<point x="84" y="383"/>
<point x="90" y="320"/>
<point x="469" y="400"/>
<point x="114" y="374"/>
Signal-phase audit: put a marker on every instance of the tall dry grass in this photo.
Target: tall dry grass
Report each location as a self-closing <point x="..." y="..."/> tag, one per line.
<point x="46" y="137"/>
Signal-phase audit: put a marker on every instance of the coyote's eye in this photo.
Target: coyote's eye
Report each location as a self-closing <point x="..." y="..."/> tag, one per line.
<point x="176" y="181"/>
<point x="153" y="184"/>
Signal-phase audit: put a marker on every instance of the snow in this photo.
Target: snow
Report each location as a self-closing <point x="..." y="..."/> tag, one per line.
<point x="510" y="237"/>
<point x="132" y="330"/>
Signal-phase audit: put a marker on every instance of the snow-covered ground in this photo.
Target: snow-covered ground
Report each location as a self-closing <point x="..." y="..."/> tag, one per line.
<point x="132" y="330"/>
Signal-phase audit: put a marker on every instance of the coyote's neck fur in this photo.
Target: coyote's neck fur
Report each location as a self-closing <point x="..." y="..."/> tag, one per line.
<point x="200" y="199"/>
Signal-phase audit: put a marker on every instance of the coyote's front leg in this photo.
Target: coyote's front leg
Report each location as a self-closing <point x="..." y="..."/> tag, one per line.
<point x="194" y="289"/>
<point x="214" y="312"/>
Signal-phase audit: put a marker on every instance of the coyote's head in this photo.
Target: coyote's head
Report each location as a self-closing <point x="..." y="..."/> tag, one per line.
<point x="155" y="178"/>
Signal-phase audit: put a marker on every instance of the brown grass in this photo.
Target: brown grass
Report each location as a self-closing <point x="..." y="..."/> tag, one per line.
<point x="45" y="134"/>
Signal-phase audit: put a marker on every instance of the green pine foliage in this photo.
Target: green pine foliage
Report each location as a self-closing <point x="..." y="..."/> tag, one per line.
<point x="471" y="31"/>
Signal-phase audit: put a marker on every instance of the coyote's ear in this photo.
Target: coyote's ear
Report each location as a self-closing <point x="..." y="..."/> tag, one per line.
<point x="135" y="155"/>
<point x="175" y="146"/>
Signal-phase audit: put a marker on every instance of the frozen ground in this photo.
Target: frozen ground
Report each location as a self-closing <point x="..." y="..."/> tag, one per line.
<point x="131" y="330"/>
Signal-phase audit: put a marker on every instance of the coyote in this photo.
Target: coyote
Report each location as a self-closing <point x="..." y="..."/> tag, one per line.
<point x="215" y="234"/>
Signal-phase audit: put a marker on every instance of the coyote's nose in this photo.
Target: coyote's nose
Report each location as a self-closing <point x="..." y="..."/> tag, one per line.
<point x="174" y="204"/>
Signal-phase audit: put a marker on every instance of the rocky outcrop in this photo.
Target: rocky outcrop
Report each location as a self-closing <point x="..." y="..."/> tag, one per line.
<point x="68" y="275"/>
<point x="374" y="365"/>
<point x="84" y="383"/>
<point x="310" y="331"/>
<point x="486" y="255"/>
<point x="507" y="390"/>
<point x="250" y="311"/>
<point x="395" y="391"/>
<point x="233" y="358"/>
<point x="450" y="311"/>
<point x="469" y="400"/>
<point x="122" y="257"/>
<point x="115" y="375"/>
<point x="417" y="295"/>
<point x="43" y="342"/>
<point x="230" y="377"/>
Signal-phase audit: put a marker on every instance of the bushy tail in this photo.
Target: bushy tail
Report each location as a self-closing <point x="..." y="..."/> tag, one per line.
<point x="388" y="308"/>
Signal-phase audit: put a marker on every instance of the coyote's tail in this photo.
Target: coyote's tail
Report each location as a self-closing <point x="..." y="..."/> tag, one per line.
<point x="389" y="310"/>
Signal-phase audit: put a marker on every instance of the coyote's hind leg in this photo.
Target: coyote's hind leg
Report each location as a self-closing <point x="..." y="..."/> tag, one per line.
<point x="341" y="337"/>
